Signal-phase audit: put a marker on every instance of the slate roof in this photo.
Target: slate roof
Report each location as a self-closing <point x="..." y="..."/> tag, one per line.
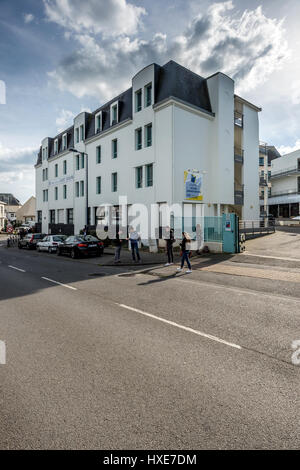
<point x="9" y="199"/>
<point x="171" y="80"/>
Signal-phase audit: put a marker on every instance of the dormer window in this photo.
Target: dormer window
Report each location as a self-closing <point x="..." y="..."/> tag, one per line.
<point x="98" y="122"/>
<point x="114" y="113"/>
<point x="138" y="101"/>
<point x="77" y="134"/>
<point x="65" y="142"/>
<point x="56" y="146"/>
<point x="148" y="95"/>
<point x="81" y="132"/>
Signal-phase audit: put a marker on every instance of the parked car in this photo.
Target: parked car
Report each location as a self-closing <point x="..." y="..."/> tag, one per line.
<point x="81" y="245"/>
<point x="30" y="240"/>
<point x="50" y="243"/>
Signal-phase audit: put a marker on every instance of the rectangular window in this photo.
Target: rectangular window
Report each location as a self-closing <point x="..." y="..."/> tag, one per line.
<point x="56" y="146"/>
<point x="65" y="191"/>
<point x="65" y="142"/>
<point x="114" y="148"/>
<point x="39" y="216"/>
<point x="52" y="216"/>
<point x="98" y="185"/>
<point x="56" y="170"/>
<point x="298" y="184"/>
<point x="77" y="135"/>
<point x="98" y="154"/>
<point x="138" y="101"/>
<point x="70" y="216"/>
<point x="114" y="114"/>
<point x="65" y="167"/>
<point x="77" y="189"/>
<point x="139" y="177"/>
<point x="98" y="122"/>
<point x="114" y="182"/>
<point x="149" y="175"/>
<point x="45" y="195"/>
<point x="56" y="193"/>
<point x="81" y="188"/>
<point x="46" y="173"/>
<point x="77" y="162"/>
<point x="81" y="132"/>
<point x="148" y="135"/>
<point x="138" y="139"/>
<point x="148" y="95"/>
<point x="261" y="161"/>
<point x="82" y="160"/>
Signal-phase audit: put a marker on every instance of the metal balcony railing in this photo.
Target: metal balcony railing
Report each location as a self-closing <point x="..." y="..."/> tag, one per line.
<point x="238" y="194"/>
<point x="286" y="171"/>
<point x="238" y="119"/>
<point x="238" y="155"/>
<point x="284" y="192"/>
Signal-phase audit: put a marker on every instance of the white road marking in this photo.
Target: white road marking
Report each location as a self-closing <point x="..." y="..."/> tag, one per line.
<point x="59" y="283"/>
<point x="182" y="327"/>
<point x="270" y="257"/>
<point x="17" y="269"/>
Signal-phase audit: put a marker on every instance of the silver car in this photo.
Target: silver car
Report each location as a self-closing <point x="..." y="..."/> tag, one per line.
<point x="50" y="243"/>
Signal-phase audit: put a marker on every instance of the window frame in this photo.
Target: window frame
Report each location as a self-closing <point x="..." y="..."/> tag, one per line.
<point x="98" y="116"/>
<point x="98" y="154"/>
<point x="138" y="143"/>
<point x="138" y="97"/>
<point x="114" y="182"/>
<point x="114" y="151"/>
<point x="147" y="127"/>
<point x="146" y="89"/>
<point x="148" y="166"/>
<point x="139" y="177"/>
<point x="98" y="185"/>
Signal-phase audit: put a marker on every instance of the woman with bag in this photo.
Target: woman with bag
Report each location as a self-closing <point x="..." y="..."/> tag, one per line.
<point x="185" y="250"/>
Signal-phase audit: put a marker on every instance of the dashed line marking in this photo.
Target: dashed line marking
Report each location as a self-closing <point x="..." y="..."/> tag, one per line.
<point x="59" y="283"/>
<point x="17" y="269"/>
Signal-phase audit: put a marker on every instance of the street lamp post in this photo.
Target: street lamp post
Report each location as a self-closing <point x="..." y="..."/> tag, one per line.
<point x="86" y="184"/>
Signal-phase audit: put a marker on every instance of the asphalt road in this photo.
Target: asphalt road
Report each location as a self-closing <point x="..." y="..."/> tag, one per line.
<point x="115" y="359"/>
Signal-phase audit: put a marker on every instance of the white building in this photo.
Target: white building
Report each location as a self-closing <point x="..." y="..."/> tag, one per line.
<point x="267" y="153"/>
<point x="285" y="193"/>
<point x="2" y="215"/>
<point x="140" y="143"/>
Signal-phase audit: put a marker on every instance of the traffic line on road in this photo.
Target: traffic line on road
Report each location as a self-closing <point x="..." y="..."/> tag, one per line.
<point x="182" y="327"/>
<point x="59" y="283"/>
<point x="17" y="269"/>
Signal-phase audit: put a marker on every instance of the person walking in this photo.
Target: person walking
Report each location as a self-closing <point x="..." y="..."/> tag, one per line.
<point x="169" y="245"/>
<point x="134" y="243"/>
<point x="118" y="247"/>
<point x="185" y="242"/>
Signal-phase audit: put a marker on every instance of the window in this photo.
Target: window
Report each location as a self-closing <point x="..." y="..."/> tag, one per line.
<point x="55" y="146"/>
<point x="114" y="182"/>
<point x="45" y="174"/>
<point x="98" y="185"/>
<point x="65" y="191"/>
<point x="139" y="177"/>
<point x="98" y="122"/>
<point x="261" y="161"/>
<point x="148" y="95"/>
<point x="39" y="216"/>
<point x="98" y="154"/>
<point x="45" y="195"/>
<point x="46" y="152"/>
<point x="149" y="175"/>
<point x="114" y="114"/>
<point x="148" y="135"/>
<point x="69" y="216"/>
<point x="65" y="167"/>
<point x="56" y="193"/>
<point x="82" y="160"/>
<point x="138" y="101"/>
<point x="81" y="132"/>
<point x="43" y="154"/>
<point x="114" y="148"/>
<point x="77" y="162"/>
<point x="52" y="216"/>
<point x="77" y="135"/>
<point x="138" y="139"/>
<point x="77" y="189"/>
<point x="65" y="142"/>
<point x="298" y="184"/>
<point x="81" y="188"/>
<point x="56" y="170"/>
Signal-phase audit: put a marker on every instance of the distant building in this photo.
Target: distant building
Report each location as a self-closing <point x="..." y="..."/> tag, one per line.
<point x="267" y="153"/>
<point x="12" y="205"/>
<point x="27" y="212"/>
<point x="285" y="193"/>
<point x="2" y="215"/>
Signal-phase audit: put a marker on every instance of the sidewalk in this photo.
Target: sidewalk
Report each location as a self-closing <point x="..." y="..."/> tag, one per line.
<point x="147" y="259"/>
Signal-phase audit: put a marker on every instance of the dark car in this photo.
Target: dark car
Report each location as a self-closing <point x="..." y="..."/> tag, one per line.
<point x="81" y="245"/>
<point x="30" y="240"/>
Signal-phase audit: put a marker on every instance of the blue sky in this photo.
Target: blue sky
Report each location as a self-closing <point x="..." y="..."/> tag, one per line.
<point x="60" y="57"/>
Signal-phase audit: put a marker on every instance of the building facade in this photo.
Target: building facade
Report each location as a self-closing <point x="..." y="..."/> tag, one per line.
<point x="11" y="207"/>
<point x="2" y="215"/>
<point x="140" y="144"/>
<point x="285" y="193"/>
<point x="27" y="212"/>
<point x="267" y="153"/>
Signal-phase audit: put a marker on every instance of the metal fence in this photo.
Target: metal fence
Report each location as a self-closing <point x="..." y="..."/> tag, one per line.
<point x="256" y="228"/>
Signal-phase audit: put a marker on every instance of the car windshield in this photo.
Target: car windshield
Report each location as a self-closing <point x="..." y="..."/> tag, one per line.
<point x="89" y="238"/>
<point x="59" y="238"/>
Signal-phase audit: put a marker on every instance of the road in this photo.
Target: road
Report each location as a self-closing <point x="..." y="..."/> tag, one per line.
<point x="113" y="358"/>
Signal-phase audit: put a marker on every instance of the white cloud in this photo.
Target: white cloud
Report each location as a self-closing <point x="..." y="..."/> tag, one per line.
<point x="28" y="18"/>
<point x="17" y="171"/>
<point x="64" y="120"/>
<point x="284" y="149"/>
<point x="248" y="47"/>
<point x="108" y="17"/>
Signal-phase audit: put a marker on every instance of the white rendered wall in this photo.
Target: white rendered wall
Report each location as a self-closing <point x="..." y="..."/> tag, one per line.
<point x="251" y="164"/>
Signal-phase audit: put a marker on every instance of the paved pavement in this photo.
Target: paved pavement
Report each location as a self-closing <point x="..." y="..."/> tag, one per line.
<point x="128" y="357"/>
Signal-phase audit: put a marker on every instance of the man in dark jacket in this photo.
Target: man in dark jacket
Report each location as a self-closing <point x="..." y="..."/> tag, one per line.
<point x="169" y="245"/>
<point x="118" y="247"/>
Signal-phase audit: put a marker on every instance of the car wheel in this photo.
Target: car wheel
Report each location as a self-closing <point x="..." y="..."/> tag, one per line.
<point x="58" y="252"/>
<point x="20" y="246"/>
<point x="73" y="254"/>
<point x="49" y="249"/>
<point x="38" y="249"/>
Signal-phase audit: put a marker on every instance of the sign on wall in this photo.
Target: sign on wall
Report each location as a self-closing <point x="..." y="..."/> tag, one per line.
<point x="193" y="185"/>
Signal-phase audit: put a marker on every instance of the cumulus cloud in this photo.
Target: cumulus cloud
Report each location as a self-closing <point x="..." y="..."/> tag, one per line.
<point x="64" y="119"/>
<point x="28" y="18"/>
<point x="108" y="17"/>
<point x="247" y="46"/>
<point x="17" y="171"/>
<point x="284" y="149"/>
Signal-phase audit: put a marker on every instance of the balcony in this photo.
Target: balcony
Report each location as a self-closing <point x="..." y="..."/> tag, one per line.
<point x="292" y="170"/>
<point x="238" y="155"/>
<point x="263" y="182"/>
<point x="239" y="194"/>
<point x="238" y="119"/>
<point x="284" y="192"/>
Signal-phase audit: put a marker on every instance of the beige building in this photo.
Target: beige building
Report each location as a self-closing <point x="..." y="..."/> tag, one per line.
<point x="267" y="153"/>
<point x="2" y="215"/>
<point x="26" y="213"/>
